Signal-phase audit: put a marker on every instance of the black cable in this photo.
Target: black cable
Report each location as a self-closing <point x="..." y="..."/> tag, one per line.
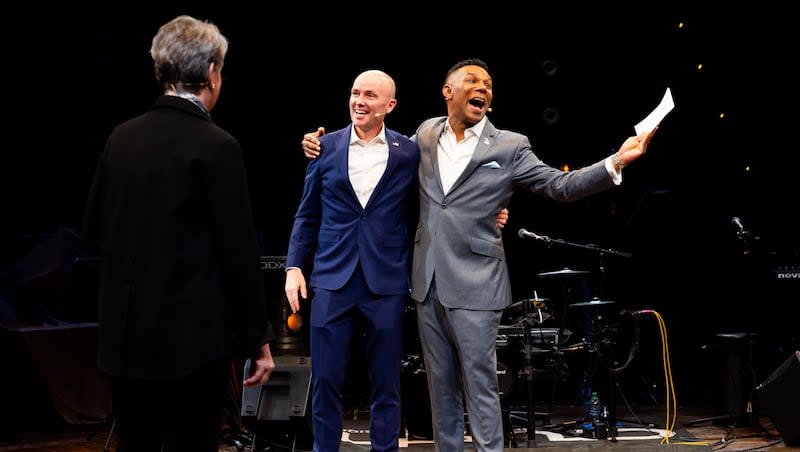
<point x="632" y="351"/>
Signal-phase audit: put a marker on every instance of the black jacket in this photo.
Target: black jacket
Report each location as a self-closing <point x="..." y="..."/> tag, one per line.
<point x="179" y="279"/>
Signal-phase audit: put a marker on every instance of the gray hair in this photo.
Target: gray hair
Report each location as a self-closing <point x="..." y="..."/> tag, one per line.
<point x="182" y="50"/>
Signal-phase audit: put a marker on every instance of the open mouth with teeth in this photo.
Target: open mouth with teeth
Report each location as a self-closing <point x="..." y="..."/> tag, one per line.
<point x="477" y="102"/>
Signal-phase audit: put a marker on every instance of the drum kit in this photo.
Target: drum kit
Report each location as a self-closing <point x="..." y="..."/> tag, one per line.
<point x="536" y="335"/>
<point x="549" y="330"/>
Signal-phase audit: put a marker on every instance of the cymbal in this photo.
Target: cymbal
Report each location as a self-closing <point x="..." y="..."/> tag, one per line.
<point x="563" y="272"/>
<point x="594" y="302"/>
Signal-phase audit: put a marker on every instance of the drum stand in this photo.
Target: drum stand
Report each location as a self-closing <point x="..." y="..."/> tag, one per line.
<point x="530" y="318"/>
<point x="527" y="324"/>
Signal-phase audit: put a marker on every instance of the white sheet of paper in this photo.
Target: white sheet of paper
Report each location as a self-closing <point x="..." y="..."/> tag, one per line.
<point x="654" y="118"/>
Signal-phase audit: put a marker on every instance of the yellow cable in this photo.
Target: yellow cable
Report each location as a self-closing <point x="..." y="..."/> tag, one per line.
<point x="669" y="388"/>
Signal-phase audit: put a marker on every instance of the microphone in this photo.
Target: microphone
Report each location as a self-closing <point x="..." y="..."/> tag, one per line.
<point x="378" y="115"/>
<point x="737" y="223"/>
<point x="526" y="234"/>
<point x="489" y="110"/>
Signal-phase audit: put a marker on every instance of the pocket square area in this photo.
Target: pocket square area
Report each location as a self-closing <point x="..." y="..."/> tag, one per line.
<point x="493" y="164"/>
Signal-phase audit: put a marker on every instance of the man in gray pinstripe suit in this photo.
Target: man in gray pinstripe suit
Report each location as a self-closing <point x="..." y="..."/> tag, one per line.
<point x="468" y="171"/>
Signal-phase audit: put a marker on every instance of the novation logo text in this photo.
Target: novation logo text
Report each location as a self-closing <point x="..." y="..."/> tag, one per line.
<point x="790" y="272"/>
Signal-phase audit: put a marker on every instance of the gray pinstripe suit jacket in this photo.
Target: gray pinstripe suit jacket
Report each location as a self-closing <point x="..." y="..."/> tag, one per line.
<point x="457" y="237"/>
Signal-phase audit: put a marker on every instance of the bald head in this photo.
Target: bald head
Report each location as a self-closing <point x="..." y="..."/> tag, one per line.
<point x="378" y="79"/>
<point x="371" y="99"/>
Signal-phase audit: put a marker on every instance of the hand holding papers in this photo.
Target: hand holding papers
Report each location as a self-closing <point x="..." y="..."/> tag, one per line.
<point x="634" y="147"/>
<point x="654" y="118"/>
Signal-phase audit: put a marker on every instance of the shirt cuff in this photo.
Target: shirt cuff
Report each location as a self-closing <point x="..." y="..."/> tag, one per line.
<point x="616" y="175"/>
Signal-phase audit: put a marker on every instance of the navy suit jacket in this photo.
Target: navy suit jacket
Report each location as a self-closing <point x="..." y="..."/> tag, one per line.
<point x="331" y="225"/>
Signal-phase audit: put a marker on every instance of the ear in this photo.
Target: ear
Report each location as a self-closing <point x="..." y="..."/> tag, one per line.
<point x="447" y="92"/>
<point x="214" y="75"/>
<point x="390" y="106"/>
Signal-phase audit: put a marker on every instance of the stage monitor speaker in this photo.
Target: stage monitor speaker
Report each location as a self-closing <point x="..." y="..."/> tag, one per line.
<point x="285" y="396"/>
<point x="780" y="399"/>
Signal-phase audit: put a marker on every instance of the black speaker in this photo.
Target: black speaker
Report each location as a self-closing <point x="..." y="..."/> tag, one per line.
<point x="780" y="399"/>
<point x="285" y="395"/>
<point x="736" y="363"/>
<point x="278" y="413"/>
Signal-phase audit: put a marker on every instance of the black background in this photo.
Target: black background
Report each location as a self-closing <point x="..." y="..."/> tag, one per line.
<point x="69" y="76"/>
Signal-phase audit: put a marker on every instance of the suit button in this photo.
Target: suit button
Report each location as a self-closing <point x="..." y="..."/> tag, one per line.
<point x="444" y="205"/>
<point x="363" y="215"/>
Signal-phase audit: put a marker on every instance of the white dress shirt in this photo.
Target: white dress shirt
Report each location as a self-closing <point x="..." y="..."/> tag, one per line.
<point x="453" y="155"/>
<point x="366" y="163"/>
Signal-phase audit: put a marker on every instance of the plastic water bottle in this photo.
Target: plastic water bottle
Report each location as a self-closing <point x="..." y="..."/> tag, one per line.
<point x="593" y="424"/>
<point x="595" y="409"/>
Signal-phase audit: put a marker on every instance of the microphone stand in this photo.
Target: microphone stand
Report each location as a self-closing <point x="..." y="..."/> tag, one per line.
<point x="592" y="247"/>
<point x="746" y="339"/>
<point x="602" y="252"/>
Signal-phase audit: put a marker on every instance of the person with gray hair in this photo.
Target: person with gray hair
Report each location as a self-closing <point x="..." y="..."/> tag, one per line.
<point x="180" y="292"/>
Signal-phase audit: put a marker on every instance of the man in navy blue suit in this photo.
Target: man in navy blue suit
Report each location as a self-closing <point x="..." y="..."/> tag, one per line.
<point x="351" y="230"/>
